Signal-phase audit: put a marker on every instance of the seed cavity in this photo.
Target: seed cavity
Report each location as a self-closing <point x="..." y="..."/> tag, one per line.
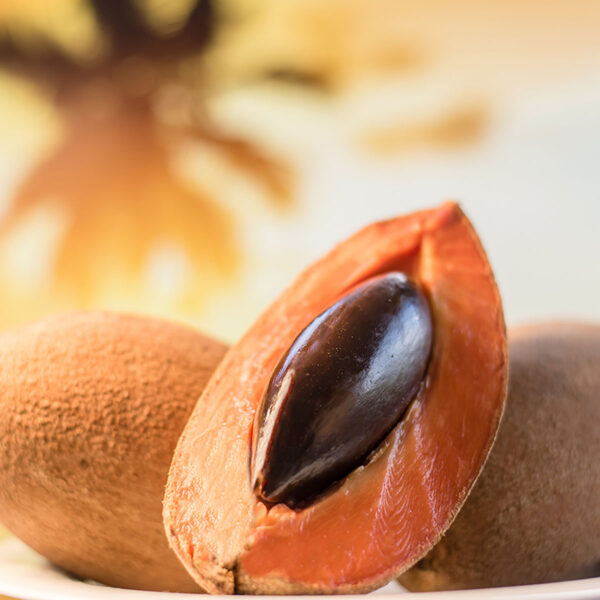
<point x="342" y="386"/>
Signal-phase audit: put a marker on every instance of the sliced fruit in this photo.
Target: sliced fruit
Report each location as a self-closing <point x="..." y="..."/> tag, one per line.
<point x="388" y="512"/>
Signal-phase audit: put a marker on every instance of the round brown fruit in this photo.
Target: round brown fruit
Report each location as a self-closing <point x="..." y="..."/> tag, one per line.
<point x="91" y="406"/>
<point x="533" y="515"/>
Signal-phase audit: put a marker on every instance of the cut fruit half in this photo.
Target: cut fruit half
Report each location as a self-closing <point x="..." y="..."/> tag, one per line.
<point x="390" y="511"/>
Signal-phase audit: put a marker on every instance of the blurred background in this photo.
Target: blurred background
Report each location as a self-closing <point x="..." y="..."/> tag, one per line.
<point x="188" y="158"/>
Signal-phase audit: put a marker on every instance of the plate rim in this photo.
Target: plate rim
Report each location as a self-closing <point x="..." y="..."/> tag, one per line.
<point x="14" y="553"/>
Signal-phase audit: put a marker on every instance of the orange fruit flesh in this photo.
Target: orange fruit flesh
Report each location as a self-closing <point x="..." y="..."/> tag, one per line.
<point x="388" y="513"/>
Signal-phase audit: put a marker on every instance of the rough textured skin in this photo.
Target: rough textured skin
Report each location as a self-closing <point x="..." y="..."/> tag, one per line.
<point x="91" y="406"/>
<point x="533" y="515"/>
<point x="389" y="512"/>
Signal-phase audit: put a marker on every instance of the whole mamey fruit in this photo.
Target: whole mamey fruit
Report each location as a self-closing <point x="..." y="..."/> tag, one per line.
<point x="91" y="406"/>
<point x="338" y="438"/>
<point x="533" y="515"/>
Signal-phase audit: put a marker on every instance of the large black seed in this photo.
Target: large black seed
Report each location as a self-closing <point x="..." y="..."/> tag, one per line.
<point x="339" y="390"/>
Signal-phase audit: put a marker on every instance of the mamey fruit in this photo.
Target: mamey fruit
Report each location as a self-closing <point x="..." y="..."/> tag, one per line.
<point x="91" y="406"/>
<point x="533" y="515"/>
<point x="232" y="531"/>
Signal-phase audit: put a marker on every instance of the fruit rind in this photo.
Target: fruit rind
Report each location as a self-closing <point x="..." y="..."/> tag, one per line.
<point x="91" y="407"/>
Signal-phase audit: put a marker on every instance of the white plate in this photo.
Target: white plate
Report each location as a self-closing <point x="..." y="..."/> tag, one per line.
<point x="27" y="576"/>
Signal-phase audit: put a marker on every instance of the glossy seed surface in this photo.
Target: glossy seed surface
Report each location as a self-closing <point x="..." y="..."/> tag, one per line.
<point x="342" y="386"/>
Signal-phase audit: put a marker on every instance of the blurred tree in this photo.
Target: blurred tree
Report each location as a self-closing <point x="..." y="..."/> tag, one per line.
<point x="129" y="92"/>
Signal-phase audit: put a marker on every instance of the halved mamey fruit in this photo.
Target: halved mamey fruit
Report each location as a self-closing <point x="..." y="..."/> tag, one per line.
<point x="352" y="527"/>
<point x="91" y="407"/>
<point x="533" y="515"/>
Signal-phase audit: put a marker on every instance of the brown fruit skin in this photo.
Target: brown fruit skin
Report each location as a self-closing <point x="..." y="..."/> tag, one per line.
<point x="533" y="515"/>
<point x="91" y="407"/>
